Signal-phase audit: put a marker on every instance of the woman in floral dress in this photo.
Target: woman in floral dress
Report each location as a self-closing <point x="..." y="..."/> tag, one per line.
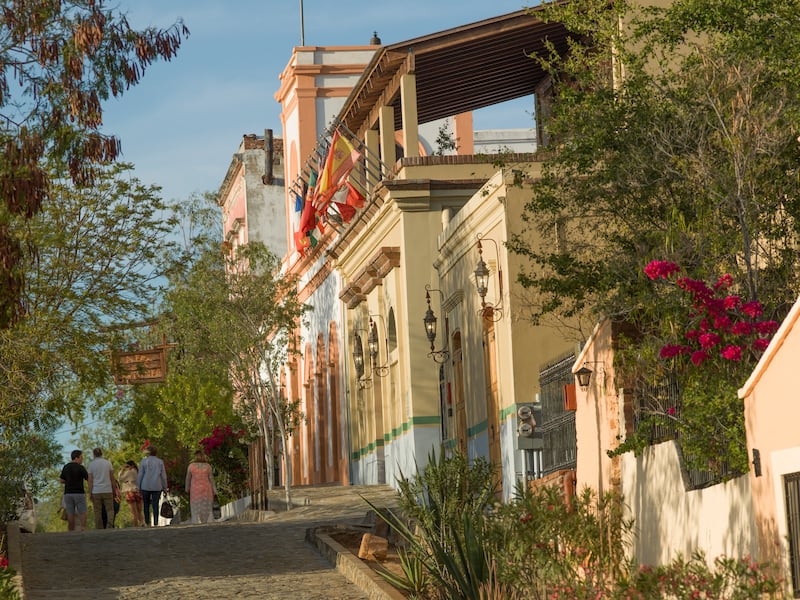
<point x="201" y="488"/>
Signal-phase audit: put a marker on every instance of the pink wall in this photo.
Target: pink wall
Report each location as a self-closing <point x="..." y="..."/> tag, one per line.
<point x="772" y="414"/>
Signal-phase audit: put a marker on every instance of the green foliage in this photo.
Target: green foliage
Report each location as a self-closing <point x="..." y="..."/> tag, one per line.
<point x="538" y="546"/>
<point x="673" y="137"/>
<point x="445" y="504"/>
<point x="730" y="579"/>
<point x="8" y="591"/>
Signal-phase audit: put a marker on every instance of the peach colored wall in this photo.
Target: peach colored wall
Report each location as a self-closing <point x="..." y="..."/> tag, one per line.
<point x="597" y="419"/>
<point x="668" y="519"/>
<point x="772" y="414"/>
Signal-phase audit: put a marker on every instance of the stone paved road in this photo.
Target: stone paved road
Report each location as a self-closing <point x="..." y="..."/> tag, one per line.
<point x="234" y="559"/>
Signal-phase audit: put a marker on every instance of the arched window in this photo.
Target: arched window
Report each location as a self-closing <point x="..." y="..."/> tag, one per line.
<point x="392" y="332"/>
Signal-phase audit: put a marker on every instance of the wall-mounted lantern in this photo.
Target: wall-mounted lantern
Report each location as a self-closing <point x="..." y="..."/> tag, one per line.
<point x="441" y="355"/>
<point x="493" y="312"/>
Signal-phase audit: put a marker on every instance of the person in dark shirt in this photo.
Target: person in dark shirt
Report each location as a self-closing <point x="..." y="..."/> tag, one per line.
<point x="72" y="476"/>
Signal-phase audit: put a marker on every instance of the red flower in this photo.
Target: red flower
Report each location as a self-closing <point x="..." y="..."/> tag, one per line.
<point x="753" y="309"/>
<point x="661" y="269"/>
<point x="766" y="327"/>
<point x="696" y="287"/>
<point x="742" y="328"/>
<point x="723" y="323"/>
<point x="724" y="282"/>
<point x="760" y="344"/>
<point x="209" y="413"/>
<point x="732" y="353"/>
<point x="672" y="350"/>
<point x="671" y="410"/>
<point x="3" y="562"/>
<point x="708" y="340"/>
<point x="699" y="357"/>
<point x="731" y="302"/>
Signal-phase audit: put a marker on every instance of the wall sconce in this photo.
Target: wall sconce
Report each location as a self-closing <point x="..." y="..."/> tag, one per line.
<point x="372" y="344"/>
<point x="493" y="312"/>
<point x="358" y="361"/>
<point x="439" y="356"/>
<point x="584" y="374"/>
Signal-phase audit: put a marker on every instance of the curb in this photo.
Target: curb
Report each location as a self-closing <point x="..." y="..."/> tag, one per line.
<point x="352" y="568"/>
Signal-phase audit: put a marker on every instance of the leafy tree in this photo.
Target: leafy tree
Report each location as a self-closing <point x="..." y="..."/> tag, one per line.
<point x="231" y="318"/>
<point x="59" y="60"/>
<point x="96" y="250"/>
<point x="673" y="138"/>
<point x="238" y="309"/>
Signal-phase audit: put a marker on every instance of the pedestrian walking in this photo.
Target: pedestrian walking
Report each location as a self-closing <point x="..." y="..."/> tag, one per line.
<point x="72" y="476"/>
<point x="102" y="489"/>
<point x="133" y="496"/>
<point x="201" y="488"/>
<point x="152" y="480"/>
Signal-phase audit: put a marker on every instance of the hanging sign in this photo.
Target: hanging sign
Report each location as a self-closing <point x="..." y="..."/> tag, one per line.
<point x="141" y="366"/>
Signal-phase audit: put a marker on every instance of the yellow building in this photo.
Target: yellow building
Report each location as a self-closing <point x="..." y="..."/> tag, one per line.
<point x="378" y="398"/>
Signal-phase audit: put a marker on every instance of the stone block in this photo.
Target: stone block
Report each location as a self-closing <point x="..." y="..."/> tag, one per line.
<point x="373" y="547"/>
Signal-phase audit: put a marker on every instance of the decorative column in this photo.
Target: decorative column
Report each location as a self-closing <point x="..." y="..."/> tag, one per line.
<point x="408" y="108"/>
<point x="386" y="126"/>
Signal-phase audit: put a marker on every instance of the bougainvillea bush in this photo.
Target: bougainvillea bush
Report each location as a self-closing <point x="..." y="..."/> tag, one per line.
<point x="226" y="448"/>
<point x="705" y="339"/>
<point x="8" y="590"/>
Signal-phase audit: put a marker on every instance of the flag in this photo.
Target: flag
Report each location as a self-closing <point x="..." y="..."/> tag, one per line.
<point x="354" y="197"/>
<point x="339" y="200"/>
<point x="347" y="211"/>
<point x="301" y="242"/>
<point x="298" y="209"/>
<point x="341" y="159"/>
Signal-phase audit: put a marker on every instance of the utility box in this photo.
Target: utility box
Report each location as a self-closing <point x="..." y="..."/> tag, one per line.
<point x="529" y="437"/>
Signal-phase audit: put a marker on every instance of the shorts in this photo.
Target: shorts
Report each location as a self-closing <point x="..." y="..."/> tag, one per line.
<point x="75" y="503"/>
<point x="134" y="496"/>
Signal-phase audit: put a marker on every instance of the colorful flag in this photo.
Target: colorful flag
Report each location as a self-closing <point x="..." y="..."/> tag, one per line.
<point x="341" y="159"/>
<point x="354" y="196"/>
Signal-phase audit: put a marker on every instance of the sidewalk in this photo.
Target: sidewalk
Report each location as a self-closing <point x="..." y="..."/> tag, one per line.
<point x="234" y="559"/>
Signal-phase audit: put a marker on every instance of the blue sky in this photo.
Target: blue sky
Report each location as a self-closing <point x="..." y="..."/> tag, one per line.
<point x="183" y="121"/>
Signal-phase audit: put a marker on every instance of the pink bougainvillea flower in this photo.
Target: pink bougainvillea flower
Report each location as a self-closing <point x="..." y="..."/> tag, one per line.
<point x="708" y="340"/>
<point x="742" y="328"/>
<point x="699" y="357"/>
<point x="671" y="350"/>
<point x="704" y="325"/>
<point x="753" y="309"/>
<point x="724" y="282"/>
<point x="691" y="334"/>
<point x="661" y="269"/>
<point x="760" y="344"/>
<point x="697" y="288"/>
<point x="714" y="307"/>
<point x="731" y="302"/>
<point x="766" y="327"/>
<point x="722" y="323"/>
<point x="732" y="353"/>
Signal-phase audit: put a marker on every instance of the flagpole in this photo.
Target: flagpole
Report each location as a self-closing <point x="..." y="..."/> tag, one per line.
<point x="302" y="26"/>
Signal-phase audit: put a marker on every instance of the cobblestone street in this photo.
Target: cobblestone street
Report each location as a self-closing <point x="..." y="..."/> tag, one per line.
<point x="234" y="559"/>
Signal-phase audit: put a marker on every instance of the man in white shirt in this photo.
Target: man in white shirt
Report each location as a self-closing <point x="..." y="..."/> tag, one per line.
<point x="102" y="488"/>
